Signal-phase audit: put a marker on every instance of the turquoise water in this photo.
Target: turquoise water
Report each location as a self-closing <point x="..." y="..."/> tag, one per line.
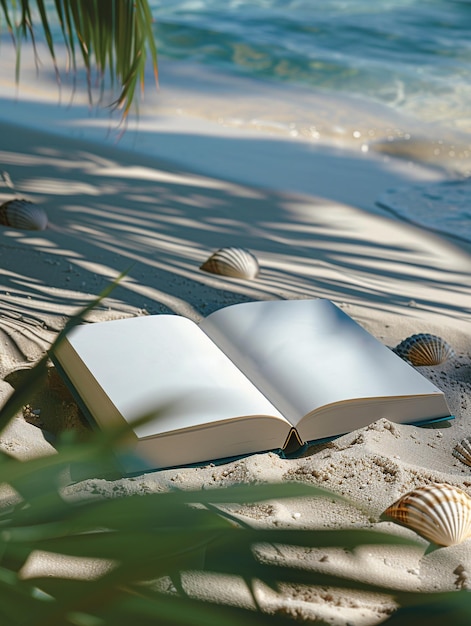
<point x="412" y="55"/>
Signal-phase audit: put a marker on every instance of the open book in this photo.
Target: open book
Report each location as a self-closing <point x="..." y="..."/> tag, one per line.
<point x="250" y="377"/>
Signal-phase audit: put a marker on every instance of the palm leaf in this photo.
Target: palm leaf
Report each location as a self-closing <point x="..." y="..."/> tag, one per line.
<point x="115" y="37"/>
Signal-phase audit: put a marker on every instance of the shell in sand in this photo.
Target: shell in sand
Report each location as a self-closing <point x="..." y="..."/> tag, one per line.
<point x="440" y="513"/>
<point x="462" y="451"/>
<point x="22" y="214"/>
<point x="235" y="262"/>
<point x="424" y="349"/>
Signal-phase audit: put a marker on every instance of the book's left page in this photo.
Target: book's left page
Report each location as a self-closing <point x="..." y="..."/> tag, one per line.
<point x="165" y="366"/>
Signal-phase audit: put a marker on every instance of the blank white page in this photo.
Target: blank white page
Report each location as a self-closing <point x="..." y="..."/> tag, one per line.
<point x="164" y="364"/>
<point x="305" y="354"/>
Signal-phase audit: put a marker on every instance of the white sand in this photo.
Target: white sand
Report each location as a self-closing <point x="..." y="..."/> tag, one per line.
<point x="309" y="216"/>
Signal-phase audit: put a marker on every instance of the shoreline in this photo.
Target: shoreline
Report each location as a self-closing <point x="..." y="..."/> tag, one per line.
<point x="259" y="133"/>
<point x="202" y="101"/>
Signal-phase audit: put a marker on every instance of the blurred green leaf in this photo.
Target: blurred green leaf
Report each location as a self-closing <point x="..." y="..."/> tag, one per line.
<point x="435" y="609"/>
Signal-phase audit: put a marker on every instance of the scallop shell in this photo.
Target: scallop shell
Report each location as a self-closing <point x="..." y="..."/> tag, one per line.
<point x="440" y="513"/>
<point x="23" y="214"/>
<point x="462" y="451"/>
<point x="235" y="262"/>
<point x="424" y="349"/>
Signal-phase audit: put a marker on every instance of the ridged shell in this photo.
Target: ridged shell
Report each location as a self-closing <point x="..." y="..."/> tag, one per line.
<point x="424" y="349"/>
<point x="440" y="513"/>
<point x="462" y="451"/>
<point x="23" y="214"/>
<point x="235" y="262"/>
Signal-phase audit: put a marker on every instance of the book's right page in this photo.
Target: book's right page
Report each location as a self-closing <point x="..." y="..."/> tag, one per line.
<point x="309" y="356"/>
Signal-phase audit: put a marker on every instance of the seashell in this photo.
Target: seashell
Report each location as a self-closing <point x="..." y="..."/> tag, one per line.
<point x="23" y="214"/>
<point x="236" y="262"/>
<point x="440" y="513"/>
<point x="424" y="349"/>
<point x="462" y="451"/>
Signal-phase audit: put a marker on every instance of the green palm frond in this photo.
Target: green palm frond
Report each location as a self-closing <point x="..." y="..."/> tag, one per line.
<point x="115" y="37"/>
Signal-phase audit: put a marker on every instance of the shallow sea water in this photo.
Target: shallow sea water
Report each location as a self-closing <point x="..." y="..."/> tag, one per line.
<point x="393" y="76"/>
<point x="408" y="54"/>
<point x="444" y="207"/>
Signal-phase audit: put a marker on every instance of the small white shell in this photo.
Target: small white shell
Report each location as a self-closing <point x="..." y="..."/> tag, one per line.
<point x="23" y="214"/>
<point x="424" y="349"/>
<point x="235" y="262"/>
<point x="462" y="451"/>
<point x="440" y="513"/>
